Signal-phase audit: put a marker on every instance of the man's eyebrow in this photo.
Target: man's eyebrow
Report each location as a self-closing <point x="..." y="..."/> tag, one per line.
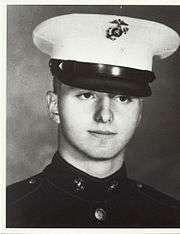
<point x="111" y="95"/>
<point x="76" y="89"/>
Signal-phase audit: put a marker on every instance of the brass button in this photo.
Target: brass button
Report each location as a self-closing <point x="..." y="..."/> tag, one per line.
<point x="139" y="185"/>
<point x="100" y="214"/>
<point x="32" y="181"/>
<point x="79" y="184"/>
<point x="113" y="186"/>
<point x="61" y="65"/>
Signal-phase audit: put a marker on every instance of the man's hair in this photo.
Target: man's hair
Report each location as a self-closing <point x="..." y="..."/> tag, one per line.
<point x="56" y="85"/>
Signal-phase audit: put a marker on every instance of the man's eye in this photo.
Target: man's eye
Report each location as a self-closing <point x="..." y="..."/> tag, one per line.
<point x="123" y="98"/>
<point x="85" y="96"/>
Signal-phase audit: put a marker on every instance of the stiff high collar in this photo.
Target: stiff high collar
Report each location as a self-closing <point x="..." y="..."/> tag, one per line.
<point x="64" y="176"/>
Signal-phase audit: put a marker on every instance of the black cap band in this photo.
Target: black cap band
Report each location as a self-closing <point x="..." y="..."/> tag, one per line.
<point x="102" y="77"/>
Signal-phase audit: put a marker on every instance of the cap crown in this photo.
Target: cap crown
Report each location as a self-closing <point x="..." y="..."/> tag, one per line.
<point x="107" y="39"/>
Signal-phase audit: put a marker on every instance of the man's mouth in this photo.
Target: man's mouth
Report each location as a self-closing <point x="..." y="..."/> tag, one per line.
<point x="101" y="133"/>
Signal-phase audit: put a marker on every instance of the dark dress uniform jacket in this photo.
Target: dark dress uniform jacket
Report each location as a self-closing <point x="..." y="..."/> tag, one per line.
<point x="63" y="196"/>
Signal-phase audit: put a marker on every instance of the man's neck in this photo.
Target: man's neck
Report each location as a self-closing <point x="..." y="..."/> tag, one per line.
<point x="94" y="167"/>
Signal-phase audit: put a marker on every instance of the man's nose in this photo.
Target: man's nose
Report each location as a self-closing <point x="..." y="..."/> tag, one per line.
<point x="103" y="112"/>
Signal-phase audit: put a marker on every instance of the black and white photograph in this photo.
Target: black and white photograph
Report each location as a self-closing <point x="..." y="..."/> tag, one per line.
<point x="93" y="116"/>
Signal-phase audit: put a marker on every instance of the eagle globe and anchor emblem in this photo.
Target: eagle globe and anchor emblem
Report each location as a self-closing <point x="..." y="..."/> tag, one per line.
<point x="117" y="29"/>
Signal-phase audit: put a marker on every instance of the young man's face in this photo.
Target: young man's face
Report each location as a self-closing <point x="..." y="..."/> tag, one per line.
<point x="98" y="125"/>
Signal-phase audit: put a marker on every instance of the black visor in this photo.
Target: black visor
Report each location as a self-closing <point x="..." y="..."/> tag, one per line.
<point x="103" y="77"/>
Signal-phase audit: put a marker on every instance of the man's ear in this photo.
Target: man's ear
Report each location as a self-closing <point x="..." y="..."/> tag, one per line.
<point x="52" y="106"/>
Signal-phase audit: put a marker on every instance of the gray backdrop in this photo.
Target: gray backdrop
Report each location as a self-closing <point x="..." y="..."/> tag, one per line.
<point x="153" y="156"/>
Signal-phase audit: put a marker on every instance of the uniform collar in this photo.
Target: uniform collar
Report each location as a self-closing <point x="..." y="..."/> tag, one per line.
<point x="64" y="176"/>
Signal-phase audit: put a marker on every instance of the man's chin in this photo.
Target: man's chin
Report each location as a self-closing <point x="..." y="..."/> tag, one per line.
<point x="102" y="156"/>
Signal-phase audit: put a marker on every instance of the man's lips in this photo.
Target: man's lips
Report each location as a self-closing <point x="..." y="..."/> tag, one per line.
<point x="102" y="133"/>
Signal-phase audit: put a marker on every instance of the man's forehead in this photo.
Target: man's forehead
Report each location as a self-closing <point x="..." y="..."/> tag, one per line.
<point x="70" y="89"/>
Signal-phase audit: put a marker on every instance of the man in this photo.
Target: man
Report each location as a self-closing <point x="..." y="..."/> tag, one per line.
<point x="101" y="67"/>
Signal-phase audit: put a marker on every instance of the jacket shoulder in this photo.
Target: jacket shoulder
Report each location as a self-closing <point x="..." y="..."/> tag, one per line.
<point x="19" y="190"/>
<point x="156" y="196"/>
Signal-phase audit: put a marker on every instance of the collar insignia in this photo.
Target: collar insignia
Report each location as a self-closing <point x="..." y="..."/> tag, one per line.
<point x="117" y="29"/>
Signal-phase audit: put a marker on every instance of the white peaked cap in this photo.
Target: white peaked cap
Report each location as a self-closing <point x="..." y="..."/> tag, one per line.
<point x="91" y="38"/>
